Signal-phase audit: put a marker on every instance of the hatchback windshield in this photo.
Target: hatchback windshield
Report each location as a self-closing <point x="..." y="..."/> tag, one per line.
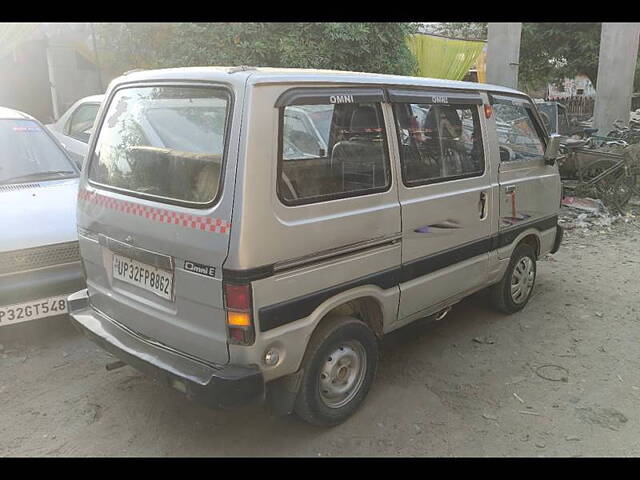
<point x="165" y="142"/>
<point x="28" y="154"/>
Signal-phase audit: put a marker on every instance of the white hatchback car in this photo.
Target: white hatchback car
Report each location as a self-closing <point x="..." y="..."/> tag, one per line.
<point x="39" y="257"/>
<point x="74" y="127"/>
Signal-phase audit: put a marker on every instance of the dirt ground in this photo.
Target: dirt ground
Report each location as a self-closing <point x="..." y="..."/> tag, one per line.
<point x="560" y="378"/>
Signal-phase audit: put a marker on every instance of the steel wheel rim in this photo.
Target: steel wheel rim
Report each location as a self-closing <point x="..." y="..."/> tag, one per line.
<point x="342" y="374"/>
<point x="522" y="280"/>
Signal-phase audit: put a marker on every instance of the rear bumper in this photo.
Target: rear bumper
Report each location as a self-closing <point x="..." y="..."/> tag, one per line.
<point x="42" y="283"/>
<point x="558" y="240"/>
<point x="213" y="385"/>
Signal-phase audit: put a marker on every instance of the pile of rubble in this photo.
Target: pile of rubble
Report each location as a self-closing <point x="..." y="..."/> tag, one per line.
<point x="590" y="216"/>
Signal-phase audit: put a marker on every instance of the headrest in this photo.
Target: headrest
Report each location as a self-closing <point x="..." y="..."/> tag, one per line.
<point x="364" y="118"/>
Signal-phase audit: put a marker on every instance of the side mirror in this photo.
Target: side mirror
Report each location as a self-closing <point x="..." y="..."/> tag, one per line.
<point x="551" y="153"/>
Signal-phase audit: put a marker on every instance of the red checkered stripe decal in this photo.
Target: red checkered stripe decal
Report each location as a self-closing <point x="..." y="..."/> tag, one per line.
<point x="205" y="224"/>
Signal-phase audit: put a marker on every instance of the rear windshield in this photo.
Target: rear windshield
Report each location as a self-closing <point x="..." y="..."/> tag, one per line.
<point x="28" y="153"/>
<point x="165" y="142"/>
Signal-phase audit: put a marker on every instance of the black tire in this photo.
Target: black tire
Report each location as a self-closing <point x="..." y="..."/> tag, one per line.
<point x="327" y="339"/>
<point x="501" y="297"/>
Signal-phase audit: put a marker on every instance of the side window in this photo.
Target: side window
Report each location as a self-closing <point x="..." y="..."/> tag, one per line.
<point x="332" y="151"/>
<point x="439" y="142"/>
<point x="81" y="122"/>
<point x="301" y="138"/>
<point x="518" y="137"/>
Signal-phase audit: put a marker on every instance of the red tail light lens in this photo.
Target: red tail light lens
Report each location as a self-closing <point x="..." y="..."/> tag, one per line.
<point x="238" y="297"/>
<point x="237" y="300"/>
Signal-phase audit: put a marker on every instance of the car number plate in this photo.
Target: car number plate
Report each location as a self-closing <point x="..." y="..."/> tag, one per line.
<point x="147" y="277"/>
<point x="34" y="309"/>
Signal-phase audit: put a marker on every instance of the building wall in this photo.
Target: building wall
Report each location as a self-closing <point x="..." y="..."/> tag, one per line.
<point x="580" y="85"/>
<point x="75" y="77"/>
<point x="24" y="75"/>
<point x="24" y="80"/>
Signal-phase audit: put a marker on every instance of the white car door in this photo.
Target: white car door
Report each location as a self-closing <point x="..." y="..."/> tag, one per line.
<point x="78" y="130"/>
<point x="74" y="127"/>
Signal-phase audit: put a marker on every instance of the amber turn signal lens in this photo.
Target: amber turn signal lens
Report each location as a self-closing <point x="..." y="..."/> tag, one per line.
<point x="239" y="319"/>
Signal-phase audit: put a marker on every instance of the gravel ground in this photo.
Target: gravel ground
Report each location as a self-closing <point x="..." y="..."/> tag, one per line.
<point x="560" y="378"/>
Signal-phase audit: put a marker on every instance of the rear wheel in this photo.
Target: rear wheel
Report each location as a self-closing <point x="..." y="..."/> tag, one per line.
<point x="515" y="288"/>
<point x="339" y="367"/>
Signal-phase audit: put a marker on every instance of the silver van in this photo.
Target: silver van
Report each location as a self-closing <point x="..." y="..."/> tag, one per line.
<point x="251" y="234"/>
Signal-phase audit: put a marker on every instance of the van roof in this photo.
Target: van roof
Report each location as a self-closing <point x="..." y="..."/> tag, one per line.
<point x="267" y="75"/>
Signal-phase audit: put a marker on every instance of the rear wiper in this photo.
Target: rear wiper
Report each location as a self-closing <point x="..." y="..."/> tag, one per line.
<point x="36" y="176"/>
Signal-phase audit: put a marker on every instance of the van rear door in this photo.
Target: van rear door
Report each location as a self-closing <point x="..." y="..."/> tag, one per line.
<point x="154" y="218"/>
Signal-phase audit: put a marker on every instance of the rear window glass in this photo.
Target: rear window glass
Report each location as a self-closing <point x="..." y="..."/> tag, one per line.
<point x="166" y="142"/>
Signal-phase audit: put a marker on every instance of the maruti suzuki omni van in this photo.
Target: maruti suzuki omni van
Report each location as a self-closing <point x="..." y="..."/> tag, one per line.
<point x="251" y="234"/>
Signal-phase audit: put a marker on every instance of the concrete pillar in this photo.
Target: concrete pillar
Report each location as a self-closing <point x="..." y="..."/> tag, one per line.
<point x="52" y="82"/>
<point x="616" y="68"/>
<point x="503" y="54"/>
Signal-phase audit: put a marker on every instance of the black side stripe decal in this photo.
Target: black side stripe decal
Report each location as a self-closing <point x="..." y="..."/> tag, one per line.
<point x="289" y="311"/>
<point x="429" y="264"/>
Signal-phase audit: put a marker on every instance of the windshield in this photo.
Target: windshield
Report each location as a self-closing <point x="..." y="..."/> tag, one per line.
<point x="27" y="153"/>
<point x="165" y="142"/>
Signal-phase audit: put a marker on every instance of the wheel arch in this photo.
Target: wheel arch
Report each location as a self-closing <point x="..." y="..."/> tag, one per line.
<point x="530" y="236"/>
<point x="372" y="305"/>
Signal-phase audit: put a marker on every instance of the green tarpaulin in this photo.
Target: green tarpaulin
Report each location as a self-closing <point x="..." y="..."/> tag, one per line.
<point x="440" y="57"/>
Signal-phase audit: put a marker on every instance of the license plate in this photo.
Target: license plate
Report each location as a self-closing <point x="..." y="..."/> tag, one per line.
<point x="32" y="310"/>
<point x="147" y="277"/>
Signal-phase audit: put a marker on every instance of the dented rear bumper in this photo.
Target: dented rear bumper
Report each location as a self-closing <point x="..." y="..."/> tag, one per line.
<point x="214" y="385"/>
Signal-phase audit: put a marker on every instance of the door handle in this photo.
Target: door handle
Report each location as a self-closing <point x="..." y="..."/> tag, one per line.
<point x="483" y="205"/>
<point x="510" y="189"/>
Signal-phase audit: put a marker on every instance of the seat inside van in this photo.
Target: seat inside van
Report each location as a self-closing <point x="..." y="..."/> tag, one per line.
<point x="354" y="160"/>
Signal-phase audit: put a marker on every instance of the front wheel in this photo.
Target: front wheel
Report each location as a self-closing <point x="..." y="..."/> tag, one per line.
<point x="512" y="293"/>
<point x="339" y="367"/>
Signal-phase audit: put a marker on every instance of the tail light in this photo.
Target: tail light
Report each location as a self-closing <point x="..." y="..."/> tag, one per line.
<point x="237" y="303"/>
<point x="488" y="110"/>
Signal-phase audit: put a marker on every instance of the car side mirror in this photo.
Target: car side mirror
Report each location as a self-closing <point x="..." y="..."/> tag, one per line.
<point x="551" y="153"/>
